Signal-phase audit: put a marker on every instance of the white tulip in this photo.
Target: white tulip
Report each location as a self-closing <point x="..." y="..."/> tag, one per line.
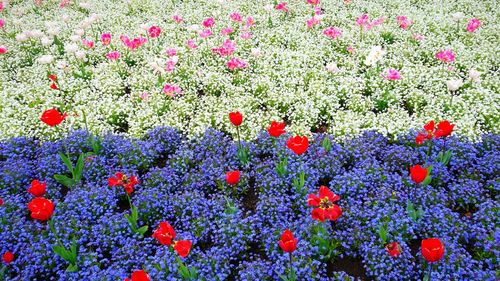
<point x="79" y="32"/>
<point x="21" y="37"/>
<point x="454" y="85"/>
<point x="332" y="67"/>
<point x="475" y="75"/>
<point x="376" y="54"/>
<point x="80" y="55"/>
<point x="46" y="41"/>
<point x="458" y="16"/>
<point x="45" y="59"/>
<point x="70" y="48"/>
<point x="256" y="52"/>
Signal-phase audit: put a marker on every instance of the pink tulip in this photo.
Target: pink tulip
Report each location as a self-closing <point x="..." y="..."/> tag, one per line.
<point x="191" y="44"/>
<point x="446" y="56"/>
<point x="105" y="39"/>
<point x="392" y="74"/>
<point x="236" y="63"/>
<point x="208" y="22"/>
<point x="236" y="17"/>
<point x="114" y="55"/>
<point x="473" y="25"/>
<point x="332" y="32"/>
<point x="171" y="90"/>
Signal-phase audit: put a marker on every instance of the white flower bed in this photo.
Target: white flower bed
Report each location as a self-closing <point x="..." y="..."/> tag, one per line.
<point x="292" y="72"/>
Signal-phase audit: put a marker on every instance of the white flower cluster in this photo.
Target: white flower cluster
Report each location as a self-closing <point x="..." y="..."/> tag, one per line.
<point x="280" y="64"/>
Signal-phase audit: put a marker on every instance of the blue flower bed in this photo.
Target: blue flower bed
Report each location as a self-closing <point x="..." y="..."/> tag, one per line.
<point x="235" y="233"/>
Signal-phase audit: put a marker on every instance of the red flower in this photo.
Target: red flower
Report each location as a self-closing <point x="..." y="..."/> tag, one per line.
<point x="165" y="233"/>
<point x="236" y="118"/>
<point x="1" y="202"/>
<point x="53" y="86"/>
<point x="233" y="177"/>
<point x="139" y="275"/>
<point x="325" y="203"/>
<point x="418" y="173"/>
<point x="432" y="249"/>
<point x="182" y="247"/>
<point x="41" y="209"/>
<point x="298" y="144"/>
<point x="276" y="129"/>
<point x="52" y="117"/>
<point x="428" y="133"/>
<point x="288" y="243"/>
<point x="121" y="179"/>
<point x="37" y="188"/>
<point x="53" y="77"/>
<point x="444" y="129"/>
<point x="394" y="249"/>
<point x="8" y="257"/>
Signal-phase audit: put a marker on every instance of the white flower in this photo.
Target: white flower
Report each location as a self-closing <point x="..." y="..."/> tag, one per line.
<point x="454" y="85"/>
<point x="85" y="5"/>
<point x="80" y="55"/>
<point x="45" y="59"/>
<point x="80" y="32"/>
<point x="70" y="48"/>
<point x="144" y="26"/>
<point x="458" y="16"/>
<point x="376" y="54"/>
<point x="256" y="52"/>
<point x="174" y="59"/>
<point x="158" y="66"/>
<point x="54" y="30"/>
<point x="37" y="33"/>
<point x="21" y="37"/>
<point x="194" y="28"/>
<point x="65" y="18"/>
<point x="269" y="7"/>
<point x="75" y="38"/>
<point x="475" y="75"/>
<point x="62" y="64"/>
<point x="46" y="41"/>
<point x="94" y="17"/>
<point x="332" y="67"/>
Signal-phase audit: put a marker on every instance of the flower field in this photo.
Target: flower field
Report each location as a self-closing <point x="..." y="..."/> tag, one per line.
<point x="249" y="140"/>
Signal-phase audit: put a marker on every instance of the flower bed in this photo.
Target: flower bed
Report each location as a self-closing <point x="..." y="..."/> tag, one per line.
<point x="340" y="68"/>
<point x="233" y="222"/>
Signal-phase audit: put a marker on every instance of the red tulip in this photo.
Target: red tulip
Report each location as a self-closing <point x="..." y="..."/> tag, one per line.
<point x="327" y="209"/>
<point x="8" y="257"/>
<point x="41" y="208"/>
<point x="233" y="177"/>
<point x="53" y="86"/>
<point x="165" y="233"/>
<point x="444" y="129"/>
<point x="427" y="134"/>
<point x="121" y="179"/>
<point x="139" y="275"/>
<point x="432" y="249"/>
<point x="53" y="77"/>
<point x="276" y="129"/>
<point x="37" y="188"/>
<point x="52" y="117"/>
<point x="394" y="249"/>
<point x="1" y="202"/>
<point x="288" y="243"/>
<point x="418" y="173"/>
<point x="236" y="118"/>
<point x="182" y="247"/>
<point x="298" y="144"/>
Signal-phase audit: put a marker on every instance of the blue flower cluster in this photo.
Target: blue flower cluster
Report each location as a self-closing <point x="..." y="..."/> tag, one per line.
<point x="235" y="232"/>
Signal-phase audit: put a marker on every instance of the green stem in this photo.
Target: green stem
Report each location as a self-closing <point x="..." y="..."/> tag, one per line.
<point x="428" y="153"/>
<point x="291" y="268"/>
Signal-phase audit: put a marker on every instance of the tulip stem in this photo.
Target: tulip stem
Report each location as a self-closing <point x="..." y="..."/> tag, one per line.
<point x="239" y="140"/>
<point x="291" y="268"/>
<point x="428" y="153"/>
<point x="430" y="271"/>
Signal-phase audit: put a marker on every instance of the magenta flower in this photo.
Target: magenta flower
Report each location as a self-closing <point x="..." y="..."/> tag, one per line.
<point x="154" y="31"/>
<point x="206" y="33"/>
<point x="404" y="22"/>
<point x="2" y="23"/>
<point x="226" y="31"/>
<point x="88" y="43"/>
<point x="313" y="21"/>
<point x="282" y="7"/>
<point x="178" y="19"/>
<point x="391" y="74"/>
<point x="332" y="32"/>
<point x="446" y="56"/>
<point x="3" y="50"/>
<point x="236" y="63"/>
<point x="236" y="17"/>
<point x="191" y="44"/>
<point x="362" y="20"/>
<point x="208" y="22"/>
<point x="473" y="25"/>
<point x="134" y="43"/>
<point x="227" y="48"/>
<point x="171" y="52"/>
<point x="246" y="35"/>
<point x="113" y="55"/>
<point x="106" y="39"/>
<point x="171" y="90"/>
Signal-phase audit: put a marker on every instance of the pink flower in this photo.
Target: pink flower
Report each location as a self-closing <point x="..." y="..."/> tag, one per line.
<point x="313" y="21"/>
<point x="105" y="39"/>
<point x="446" y="56"/>
<point x="236" y="17"/>
<point x="64" y="3"/>
<point x="154" y="31"/>
<point x="249" y="22"/>
<point x="144" y="96"/>
<point x="88" y="43"/>
<point x="404" y="23"/>
<point x="282" y="7"/>
<point x="114" y="55"/>
<point x="206" y="33"/>
<point x="3" y="50"/>
<point x="332" y="32"/>
<point x="418" y="37"/>
<point x="208" y="22"/>
<point x="171" y="90"/>
<point x="362" y="20"/>
<point x="177" y="19"/>
<point x="351" y="50"/>
<point x="391" y="74"/>
<point x="374" y="23"/>
<point x="473" y="25"/>
<point x="191" y="44"/>
<point x="171" y="52"/>
<point x="236" y="63"/>
<point x="171" y="64"/>
<point x="227" y="48"/>
<point x="226" y="31"/>
<point x="317" y="11"/>
<point x="2" y="23"/>
<point x="246" y="35"/>
<point x="313" y="2"/>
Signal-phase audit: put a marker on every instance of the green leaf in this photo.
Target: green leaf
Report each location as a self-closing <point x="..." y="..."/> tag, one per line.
<point x="382" y="232"/>
<point x="135" y="214"/>
<point x="62" y="252"/>
<point x="142" y="230"/>
<point x="64" y="180"/>
<point x="79" y="168"/>
<point x="72" y="268"/>
<point x="327" y="144"/>
<point x="66" y="161"/>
